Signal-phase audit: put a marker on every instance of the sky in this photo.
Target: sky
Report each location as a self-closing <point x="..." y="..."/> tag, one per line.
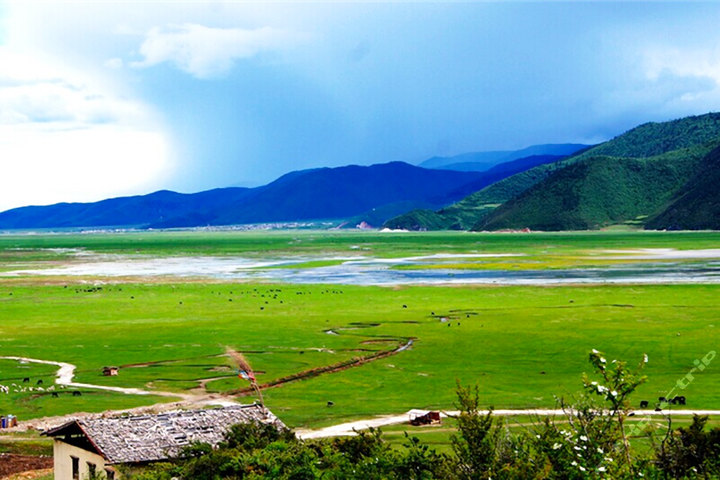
<point x="110" y="98"/>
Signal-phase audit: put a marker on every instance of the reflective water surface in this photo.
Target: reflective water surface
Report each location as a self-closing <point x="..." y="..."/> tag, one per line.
<point x="361" y="270"/>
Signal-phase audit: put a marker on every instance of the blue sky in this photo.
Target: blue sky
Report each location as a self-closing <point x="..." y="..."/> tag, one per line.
<point x="101" y="99"/>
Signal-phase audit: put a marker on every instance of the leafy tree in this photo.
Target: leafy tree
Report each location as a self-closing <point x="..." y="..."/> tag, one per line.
<point x="473" y="445"/>
<point x="691" y="452"/>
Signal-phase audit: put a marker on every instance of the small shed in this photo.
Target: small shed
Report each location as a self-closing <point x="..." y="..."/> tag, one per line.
<point x="110" y="371"/>
<point x="424" y="417"/>
<point x="87" y="447"/>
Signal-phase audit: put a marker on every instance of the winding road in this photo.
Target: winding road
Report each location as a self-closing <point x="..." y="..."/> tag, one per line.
<point x="66" y="373"/>
<point x="350" y="428"/>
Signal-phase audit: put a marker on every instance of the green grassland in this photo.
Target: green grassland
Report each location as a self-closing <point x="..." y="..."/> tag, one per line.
<point x="34" y="249"/>
<point x="524" y="346"/>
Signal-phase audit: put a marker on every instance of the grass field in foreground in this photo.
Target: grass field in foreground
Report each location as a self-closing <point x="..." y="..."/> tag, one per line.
<point x="522" y="345"/>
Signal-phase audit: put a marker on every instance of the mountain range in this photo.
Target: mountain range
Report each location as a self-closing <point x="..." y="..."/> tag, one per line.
<point x="365" y="193"/>
<point x="482" y="161"/>
<point x="653" y="176"/>
<point x="656" y="176"/>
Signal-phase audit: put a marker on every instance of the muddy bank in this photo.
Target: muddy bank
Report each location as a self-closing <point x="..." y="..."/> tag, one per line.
<point x="11" y="464"/>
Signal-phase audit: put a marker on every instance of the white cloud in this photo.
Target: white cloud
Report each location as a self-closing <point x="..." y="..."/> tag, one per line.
<point x="114" y="63"/>
<point x="206" y="52"/>
<point x="682" y="62"/>
<point x="682" y="78"/>
<point x="33" y="90"/>
<point x="48" y="166"/>
<point x="66" y="136"/>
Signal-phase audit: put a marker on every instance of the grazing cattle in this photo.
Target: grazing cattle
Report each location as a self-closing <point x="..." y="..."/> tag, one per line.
<point x="39" y="382"/>
<point x="26" y="380"/>
<point x="76" y="393"/>
<point x="680" y="400"/>
<point x="662" y="400"/>
<point x="404" y="306"/>
<point x="672" y="401"/>
<point x="330" y="404"/>
<point x="644" y="404"/>
<point x="54" y="395"/>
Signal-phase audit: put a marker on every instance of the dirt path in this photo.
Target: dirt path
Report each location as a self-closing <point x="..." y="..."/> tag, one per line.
<point x="332" y="368"/>
<point x="66" y="373"/>
<point x="348" y="429"/>
<point x="32" y="474"/>
<point x="193" y="399"/>
<point x="196" y="399"/>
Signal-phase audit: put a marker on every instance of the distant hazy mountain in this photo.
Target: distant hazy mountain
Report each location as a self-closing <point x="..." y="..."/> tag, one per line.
<point x="135" y="211"/>
<point x="482" y="161"/>
<point x="629" y="179"/>
<point x="325" y="193"/>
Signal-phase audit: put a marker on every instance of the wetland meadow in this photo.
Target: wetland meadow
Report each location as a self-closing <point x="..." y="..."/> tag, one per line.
<point x="374" y="323"/>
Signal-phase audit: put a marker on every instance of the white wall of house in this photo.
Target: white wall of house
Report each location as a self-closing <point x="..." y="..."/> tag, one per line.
<point x="63" y="454"/>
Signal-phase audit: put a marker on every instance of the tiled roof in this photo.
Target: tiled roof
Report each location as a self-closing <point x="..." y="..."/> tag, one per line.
<point x="147" y="438"/>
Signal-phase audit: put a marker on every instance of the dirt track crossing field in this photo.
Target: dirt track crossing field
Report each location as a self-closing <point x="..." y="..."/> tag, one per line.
<point x="349" y="428"/>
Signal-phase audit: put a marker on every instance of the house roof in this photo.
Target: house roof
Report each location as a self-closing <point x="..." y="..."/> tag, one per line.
<point x="147" y="438"/>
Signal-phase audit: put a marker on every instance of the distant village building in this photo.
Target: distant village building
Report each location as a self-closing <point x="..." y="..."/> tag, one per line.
<point x="110" y="371"/>
<point x="422" y="417"/>
<point x="95" y="446"/>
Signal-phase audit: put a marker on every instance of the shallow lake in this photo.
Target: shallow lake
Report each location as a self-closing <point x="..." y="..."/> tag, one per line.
<point x="361" y="270"/>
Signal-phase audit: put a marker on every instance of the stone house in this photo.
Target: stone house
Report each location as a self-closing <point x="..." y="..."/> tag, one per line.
<point x="89" y="447"/>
